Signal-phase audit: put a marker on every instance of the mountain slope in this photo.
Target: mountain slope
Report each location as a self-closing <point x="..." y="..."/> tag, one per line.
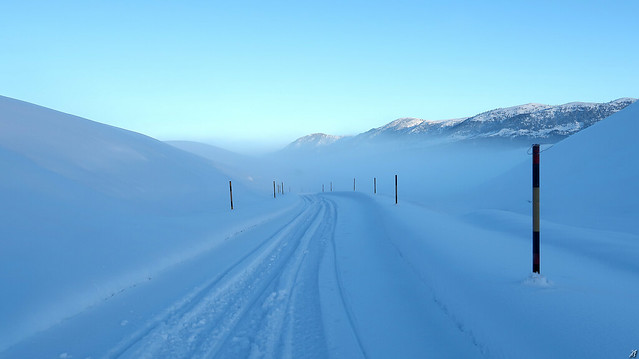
<point x="112" y="161"/>
<point x="548" y="124"/>
<point x="313" y="142"/>
<point x="250" y="172"/>
<point x="522" y="124"/>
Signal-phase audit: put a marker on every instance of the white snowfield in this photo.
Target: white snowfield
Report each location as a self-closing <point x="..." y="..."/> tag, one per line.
<point x="344" y="274"/>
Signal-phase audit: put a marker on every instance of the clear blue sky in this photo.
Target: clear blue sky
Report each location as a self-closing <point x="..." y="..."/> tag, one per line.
<point x="268" y="72"/>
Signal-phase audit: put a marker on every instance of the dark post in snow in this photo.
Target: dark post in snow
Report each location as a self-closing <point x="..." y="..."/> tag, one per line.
<point x="282" y="187"/>
<point x="331" y="186"/>
<point x="231" y="191"/>
<point x="374" y="185"/>
<point x="322" y="188"/>
<point x="353" y="184"/>
<point x="535" y="244"/>
<point x="395" y="189"/>
<point x="274" y="196"/>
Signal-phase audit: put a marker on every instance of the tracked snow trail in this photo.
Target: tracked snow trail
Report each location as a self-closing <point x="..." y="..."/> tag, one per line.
<point x="325" y="280"/>
<point x="330" y="283"/>
<point x="265" y="305"/>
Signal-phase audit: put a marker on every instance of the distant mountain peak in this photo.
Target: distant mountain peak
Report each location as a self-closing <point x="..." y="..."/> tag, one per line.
<point x="313" y="141"/>
<point x="401" y="123"/>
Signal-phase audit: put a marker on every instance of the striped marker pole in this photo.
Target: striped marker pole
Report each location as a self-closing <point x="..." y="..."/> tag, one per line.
<point x="535" y="244"/>
<point x="374" y="185"/>
<point x="395" y="189"/>
<point x="231" y="191"/>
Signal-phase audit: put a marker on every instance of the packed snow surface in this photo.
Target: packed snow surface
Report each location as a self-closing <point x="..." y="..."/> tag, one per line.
<point x="103" y="257"/>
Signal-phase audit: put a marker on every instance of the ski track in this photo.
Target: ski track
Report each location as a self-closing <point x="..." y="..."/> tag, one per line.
<point x="266" y="304"/>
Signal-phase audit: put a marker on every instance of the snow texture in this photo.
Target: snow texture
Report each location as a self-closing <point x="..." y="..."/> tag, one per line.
<point x="115" y="245"/>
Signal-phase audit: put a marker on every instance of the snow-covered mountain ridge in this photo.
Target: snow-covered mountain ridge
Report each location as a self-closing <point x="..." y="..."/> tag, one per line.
<point x="523" y="123"/>
<point x="537" y="122"/>
<point x="528" y="122"/>
<point x="314" y="140"/>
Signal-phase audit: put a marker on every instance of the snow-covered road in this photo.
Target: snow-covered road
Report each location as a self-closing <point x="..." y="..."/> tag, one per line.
<point x="322" y="280"/>
<point x="329" y="283"/>
<point x="349" y="275"/>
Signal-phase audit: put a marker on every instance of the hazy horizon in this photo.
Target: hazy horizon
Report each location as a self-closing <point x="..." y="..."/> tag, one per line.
<point x="273" y="72"/>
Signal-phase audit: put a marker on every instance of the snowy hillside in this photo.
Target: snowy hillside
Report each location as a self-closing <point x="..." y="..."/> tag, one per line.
<point x="117" y="163"/>
<point x="208" y="151"/>
<point x="233" y="164"/>
<point x="89" y="209"/>
<point x="408" y="126"/>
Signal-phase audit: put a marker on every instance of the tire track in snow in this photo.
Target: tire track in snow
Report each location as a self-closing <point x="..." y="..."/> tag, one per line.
<point x="190" y="302"/>
<point x="201" y="331"/>
<point x="305" y="332"/>
<point x="269" y="328"/>
<point x="254" y="306"/>
<point x="352" y="320"/>
<point x="266" y="304"/>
